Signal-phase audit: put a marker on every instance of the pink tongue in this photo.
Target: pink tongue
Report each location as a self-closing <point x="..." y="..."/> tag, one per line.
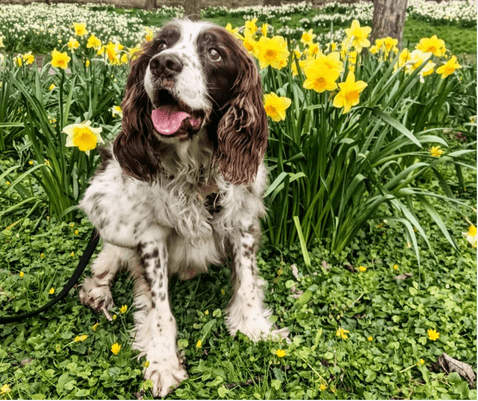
<point x="167" y="121"/>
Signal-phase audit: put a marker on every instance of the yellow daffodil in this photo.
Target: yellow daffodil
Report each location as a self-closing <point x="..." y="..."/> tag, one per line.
<point x="149" y="35"/>
<point x="404" y="57"/>
<point x="417" y="58"/>
<point x="272" y="51"/>
<point x="80" y="28"/>
<point x="433" y="334"/>
<point x="448" y="68"/>
<point x="133" y="52"/>
<point x="87" y="63"/>
<point x="83" y="136"/>
<point x="28" y="58"/>
<point x="313" y="49"/>
<point x="115" y="348"/>
<point x="117" y="111"/>
<point x="59" y="60"/>
<point x="264" y="29"/>
<point x="124" y="309"/>
<point x="93" y="42"/>
<point x="307" y="37"/>
<point x="322" y="73"/>
<point x="349" y="93"/>
<point x="470" y="235"/>
<point x="276" y="106"/>
<point x="19" y="60"/>
<point x="249" y="44"/>
<point x="358" y="35"/>
<point x="234" y="31"/>
<point x="432" y="45"/>
<point x="281" y="353"/>
<point x="435" y="151"/>
<point x="73" y="44"/>
<point x="427" y="70"/>
<point x="342" y="333"/>
<point x="250" y="27"/>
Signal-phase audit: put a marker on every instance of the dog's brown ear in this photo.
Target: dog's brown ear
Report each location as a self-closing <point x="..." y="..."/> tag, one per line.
<point x="133" y="147"/>
<point x="242" y="131"/>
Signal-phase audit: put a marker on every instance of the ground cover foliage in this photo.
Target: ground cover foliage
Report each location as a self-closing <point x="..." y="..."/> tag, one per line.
<point x="367" y="254"/>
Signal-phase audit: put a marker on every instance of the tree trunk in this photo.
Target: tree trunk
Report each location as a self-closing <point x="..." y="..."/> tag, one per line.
<point x="388" y="19"/>
<point x="150" y="4"/>
<point x="192" y="9"/>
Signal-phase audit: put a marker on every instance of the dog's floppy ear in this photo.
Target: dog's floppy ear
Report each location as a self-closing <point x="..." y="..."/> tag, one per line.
<point x="242" y="131"/>
<point x="133" y="145"/>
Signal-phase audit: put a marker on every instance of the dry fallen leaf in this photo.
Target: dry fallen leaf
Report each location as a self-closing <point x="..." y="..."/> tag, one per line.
<point x="403" y="276"/>
<point x="450" y="364"/>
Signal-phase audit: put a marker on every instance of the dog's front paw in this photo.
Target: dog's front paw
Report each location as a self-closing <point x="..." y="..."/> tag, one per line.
<point x="98" y="298"/>
<point x="165" y="378"/>
<point x="257" y="327"/>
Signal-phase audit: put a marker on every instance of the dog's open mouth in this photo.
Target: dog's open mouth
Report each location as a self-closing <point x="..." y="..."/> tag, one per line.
<point x="171" y="116"/>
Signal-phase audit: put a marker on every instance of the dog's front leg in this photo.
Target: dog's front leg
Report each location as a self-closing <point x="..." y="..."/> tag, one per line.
<point x="158" y="331"/>
<point x="246" y="311"/>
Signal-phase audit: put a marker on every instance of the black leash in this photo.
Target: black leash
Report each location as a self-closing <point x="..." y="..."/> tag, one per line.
<point x="85" y="258"/>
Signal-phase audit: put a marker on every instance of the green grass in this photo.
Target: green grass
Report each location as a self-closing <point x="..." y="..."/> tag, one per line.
<point x="39" y="359"/>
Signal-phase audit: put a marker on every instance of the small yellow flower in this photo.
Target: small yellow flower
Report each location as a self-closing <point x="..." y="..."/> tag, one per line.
<point x="349" y="93"/>
<point x="72" y="254"/>
<point x="51" y="87"/>
<point x="5" y="389"/>
<point x="433" y="334"/>
<point x="448" y="68"/>
<point x="281" y="353"/>
<point x="342" y="333"/>
<point x="199" y="344"/>
<point x="435" y="151"/>
<point x="80" y="28"/>
<point x="42" y="255"/>
<point x="233" y="31"/>
<point x="115" y="348"/>
<point x="250" y="27"/>
<point x="60" y="60"/>
<point x="83" y="136"/>
<point x="146" y="364"/>
<point x="264" y="29"/>
<point x="124" y="309"/>
<point x="76" y="232"/>
<point x="114" y="317"/>
<point x="19" y="60"/>
<point x="395" y="267"/>
<point x="51" y="291"/>
<point x="30" y="162"/>
<point x="223" y="292"/>
<point x="362" y="269"/>
<point x="276" y="106"/>
<point x="80" y="338"/>
<point x="21" y="274"/>
<point x="94" y="327"/>
<point x="370" y="338"/>
<point x="207" y="312"/>
<point x="422" y="362"/>
<point x="323" y="387"/>
<point x="87" y="63"/>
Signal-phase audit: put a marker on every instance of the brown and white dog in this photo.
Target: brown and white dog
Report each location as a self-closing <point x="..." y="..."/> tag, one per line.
<point x="182" y="187"/>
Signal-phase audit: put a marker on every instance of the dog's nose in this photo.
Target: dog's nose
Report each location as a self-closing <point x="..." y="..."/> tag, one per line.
<point x="166" y="65"/>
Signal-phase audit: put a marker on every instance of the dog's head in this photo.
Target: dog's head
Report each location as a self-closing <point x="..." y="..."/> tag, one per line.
<point x="193" y="76"/>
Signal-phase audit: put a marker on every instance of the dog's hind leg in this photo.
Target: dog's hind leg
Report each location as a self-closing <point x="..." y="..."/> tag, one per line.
<point x="95" y="291"/>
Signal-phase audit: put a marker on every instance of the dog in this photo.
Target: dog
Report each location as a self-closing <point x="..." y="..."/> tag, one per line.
<point x="181" y="188"/>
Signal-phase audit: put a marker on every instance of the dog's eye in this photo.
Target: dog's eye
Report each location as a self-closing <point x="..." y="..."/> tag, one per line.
<point x="162" y="45"/>
<point x="214" y="54"/>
